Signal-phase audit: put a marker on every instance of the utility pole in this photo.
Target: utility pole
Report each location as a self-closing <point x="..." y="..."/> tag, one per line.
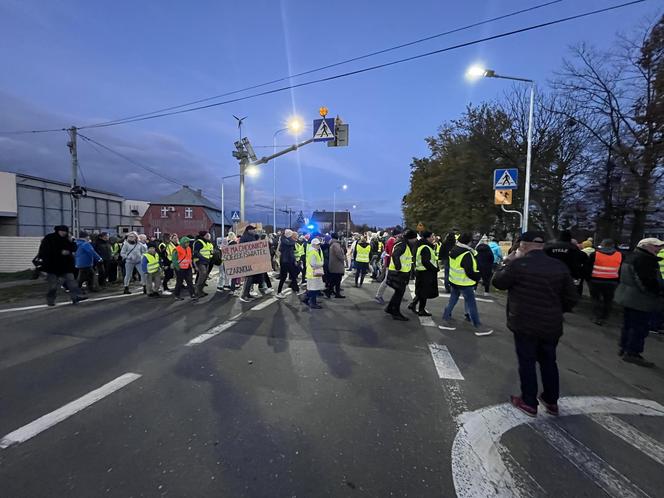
<point x="74" y="192"/>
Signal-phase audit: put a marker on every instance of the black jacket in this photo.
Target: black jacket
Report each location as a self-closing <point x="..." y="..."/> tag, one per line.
<point x="57" y="254"/>
<point x="540" y="289"/>
<point x="641" y="286"/>
<point x="445" y="248"/>
<point x="248" y="237"/>
<point x="426" y="281"/>
<point x="286" y="250"/>
<point x="568" y="253"/>
<point x="103" y="248"/>
<point x="484" y="258"/>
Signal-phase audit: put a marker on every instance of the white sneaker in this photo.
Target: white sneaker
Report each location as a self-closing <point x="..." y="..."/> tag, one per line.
<point x="245" y="300"/>
<point x="481" y="331"/>
<point x="167" y="293"/>
<point x="254" y="294"/>
<point x="269" y="290"/>
<point x="280" y="295"/>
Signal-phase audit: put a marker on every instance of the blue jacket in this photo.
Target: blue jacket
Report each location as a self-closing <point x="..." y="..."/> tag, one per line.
<point x="497" y="252"/>
<point x="86" y="256"/>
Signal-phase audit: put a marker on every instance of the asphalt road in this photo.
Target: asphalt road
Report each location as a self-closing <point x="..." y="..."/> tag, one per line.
<point x="270" y="399"/>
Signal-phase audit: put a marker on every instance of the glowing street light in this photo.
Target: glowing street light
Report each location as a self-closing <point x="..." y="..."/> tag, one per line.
<point x="476" y="72"/>
<point x="295" y="126"/>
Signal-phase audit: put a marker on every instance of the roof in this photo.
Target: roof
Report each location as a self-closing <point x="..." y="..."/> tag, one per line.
<point x="63" y="184"/>
<point x="327" y="216"/>
<point x="214" y="215"/>
<point x="187" y="197"/>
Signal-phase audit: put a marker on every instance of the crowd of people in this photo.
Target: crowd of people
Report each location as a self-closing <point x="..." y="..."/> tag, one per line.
<point x="543" y="279"/>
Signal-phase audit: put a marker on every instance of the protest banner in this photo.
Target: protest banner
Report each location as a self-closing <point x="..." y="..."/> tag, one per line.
<point x="248" y="258"/>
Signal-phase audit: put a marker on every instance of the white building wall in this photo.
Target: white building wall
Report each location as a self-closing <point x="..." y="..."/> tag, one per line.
<point x="18" y="253"/>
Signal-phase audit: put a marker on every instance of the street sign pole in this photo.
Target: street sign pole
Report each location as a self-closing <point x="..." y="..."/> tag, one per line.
<point x="526" y="195"/>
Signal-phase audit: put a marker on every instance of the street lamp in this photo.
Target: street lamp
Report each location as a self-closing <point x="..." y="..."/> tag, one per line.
<point x="334" y="205"/>
<point x="295" y="126"/>
<point x="476" y="72"/>
<point x="251" y="171"/>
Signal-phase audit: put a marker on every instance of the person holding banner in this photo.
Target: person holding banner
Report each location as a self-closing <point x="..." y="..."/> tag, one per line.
<point x="315" y="273"/>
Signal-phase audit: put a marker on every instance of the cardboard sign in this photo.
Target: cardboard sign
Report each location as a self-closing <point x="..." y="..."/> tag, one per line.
<point x="248" y="258"/>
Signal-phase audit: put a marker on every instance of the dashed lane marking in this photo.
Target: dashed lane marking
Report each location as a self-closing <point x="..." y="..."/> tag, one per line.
<point x="264" y="304"/>
<point x="82" y="303"/>
<point x="214" y="331"/>
<point x="444" y="363"/>
<point x="50" y="419"/>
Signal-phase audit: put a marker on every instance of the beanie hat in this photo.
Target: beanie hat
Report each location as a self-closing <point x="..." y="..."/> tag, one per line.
<point x="83" y="234"/>
<point x="315" y="241"/>
<point x="61" y="228"/>
<point x="586" y="244"/>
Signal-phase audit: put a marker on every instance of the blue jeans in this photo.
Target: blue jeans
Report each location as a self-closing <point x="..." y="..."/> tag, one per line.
<point x="470" y="304"/>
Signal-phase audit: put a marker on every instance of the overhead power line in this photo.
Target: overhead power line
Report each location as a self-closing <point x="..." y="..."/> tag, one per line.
<point x="366" y="69"/>
<point x="378" y="66"/>
<point x="336" y="64"/>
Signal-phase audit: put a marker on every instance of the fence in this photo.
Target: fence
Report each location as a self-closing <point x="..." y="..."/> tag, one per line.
<point x="17" y="253"/>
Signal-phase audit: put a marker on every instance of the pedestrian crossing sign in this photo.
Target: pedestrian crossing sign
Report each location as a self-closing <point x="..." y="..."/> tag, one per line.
<point x="505" y="179"/>
<point x="235" y="215"/>
<point x="323" y="130"/>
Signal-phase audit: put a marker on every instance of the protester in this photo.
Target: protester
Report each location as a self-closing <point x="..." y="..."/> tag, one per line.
<point x="426" y="274"/>
<point x="182" y="261"/>
<point x="151" y="267"/>
<point x="641" y="292"/>
<point x="287" y="264"/>
<point x="376" y="251"/>
<point x="132" y="253"/>
<point x="314" y="274"/>
<point x="103" y="248"/>
<point x="165" y="250"/>
<point x="567" y="252"/>
<point x="362" y="257"/>
<point x="444" y="256"/>
<point x="86" y="260"/>
<point x="389" y="246"/>
<point x="602" y="272"/>
<point x="485" y="263"/>
<point x="115" y="260"/>
<point x="249" y="235"/>
<point x="56" y="256"/>
<point x="497" y="251"/>
<point x="540" y="289"/>
<point x="337" y="268"/>
<point x="202" y="254"/>
<point x="398" y="276"/>
<point x="463" y="277"/>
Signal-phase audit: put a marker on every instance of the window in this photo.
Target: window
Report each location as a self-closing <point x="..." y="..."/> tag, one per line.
<point x="164" y="212"/>
<point x="157" y="233"/>
<point x="188" y="212"/>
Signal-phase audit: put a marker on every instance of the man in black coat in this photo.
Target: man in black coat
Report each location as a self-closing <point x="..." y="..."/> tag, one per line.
<point x="56" y="253"/>
<point x="567" y="252"/>
<point x="540" y="289"/>
<point x="287" y="266"/>
<point x="103" y="248"/>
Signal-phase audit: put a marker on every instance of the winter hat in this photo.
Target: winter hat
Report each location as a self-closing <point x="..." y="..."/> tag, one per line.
<point x="426" y="234"/>
<point x="184" y="240"/>
<point x="288" y="233"/>
<point x="586" y="244"/>
<point x="315" y="241"/>
<point x="61" y="228"/>
<point x="327" y="239"/>
<point x="83" y="234"/>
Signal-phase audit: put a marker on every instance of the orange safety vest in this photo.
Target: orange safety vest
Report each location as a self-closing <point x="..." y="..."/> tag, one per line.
<point x="607" y="266"/>
<point x="184" y="257"/>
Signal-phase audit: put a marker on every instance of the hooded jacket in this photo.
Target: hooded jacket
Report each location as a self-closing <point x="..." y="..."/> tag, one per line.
<point x="466" y="262"/>
<point x="86" y="256"/>
<point x="641" y="286"/>
<point x="133" y="253"/>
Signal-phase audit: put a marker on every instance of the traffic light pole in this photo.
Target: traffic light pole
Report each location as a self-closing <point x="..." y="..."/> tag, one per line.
<point x="246" y="163"/>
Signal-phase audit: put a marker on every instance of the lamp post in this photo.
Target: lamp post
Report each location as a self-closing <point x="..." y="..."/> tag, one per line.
<point x="476" y="72"/>
<point x="295" y="125"/>
<point x="334" y="205"/>
<point x="251" y="171"/>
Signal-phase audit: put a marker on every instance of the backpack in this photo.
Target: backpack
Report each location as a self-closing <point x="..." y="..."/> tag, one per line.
<point x="216" y="257"/>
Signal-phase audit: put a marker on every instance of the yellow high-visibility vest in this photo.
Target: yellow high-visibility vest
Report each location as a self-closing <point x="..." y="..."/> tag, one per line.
<point x="406" y="260"/>
<point x="318" y="254"/>
<point x="362" y="254"/>
<point x="418" y="257"/>
<point x="299" y="250"/>
<point x="660" y="254"/>
<point x="458" y="274"/>
<point x="153" y="262"/>
<point x="206" y="249"/>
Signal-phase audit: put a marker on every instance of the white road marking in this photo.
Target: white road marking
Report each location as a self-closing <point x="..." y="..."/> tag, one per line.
<point x="599" y="471"/>
<point x="41" y="306"/>
<point x="477" y="468"/>
<point x="211" y="333"/>
<point x="447" y="296"/>
<point x="264" y="304"/>
<point x="444" y="363"/>
<point x="425" y="321"/>
<point x="50" y="419"/>
<point x="631" y="435"/>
